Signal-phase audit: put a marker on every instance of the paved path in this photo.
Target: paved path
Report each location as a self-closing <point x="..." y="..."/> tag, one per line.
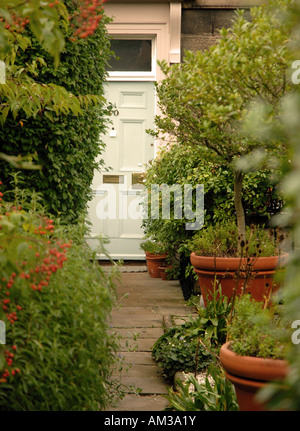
<point x="139" y="321"/>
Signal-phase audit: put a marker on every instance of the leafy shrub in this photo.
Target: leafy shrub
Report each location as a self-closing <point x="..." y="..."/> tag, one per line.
<point x="178" y="350"/>
<point x="193" y="346"/>
<point x="67" y="146"/>
<point x="185" y="164"/>
<point x="212" y="320"/>
<point x="54" y="303"/>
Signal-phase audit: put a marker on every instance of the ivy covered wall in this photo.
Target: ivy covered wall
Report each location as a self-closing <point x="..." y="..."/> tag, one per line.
<point x="68" y="147"/>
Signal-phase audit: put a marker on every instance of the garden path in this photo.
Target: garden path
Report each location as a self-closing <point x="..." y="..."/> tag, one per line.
<point x="147" y="306"/>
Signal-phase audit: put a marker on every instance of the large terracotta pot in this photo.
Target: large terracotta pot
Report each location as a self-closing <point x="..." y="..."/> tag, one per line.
<point x="154" y="261"/>
<point x="224" y="270"/>
<point x="249" y="374"/>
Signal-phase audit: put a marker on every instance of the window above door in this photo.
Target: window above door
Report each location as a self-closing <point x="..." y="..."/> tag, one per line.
<point x="131" y="55"/>
<point x="134" y="58"/>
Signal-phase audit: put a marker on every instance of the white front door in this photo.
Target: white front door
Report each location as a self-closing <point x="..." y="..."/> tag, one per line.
<point x="115" y="209"/>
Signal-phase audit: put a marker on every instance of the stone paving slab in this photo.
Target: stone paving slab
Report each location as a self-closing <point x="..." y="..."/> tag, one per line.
<point x="141" y="333"/>
<point x="141" y="403"/>
<point x="151" y="299"/>
<point x="139" y="321"/>
<point x="138" y="358"/>
<point x="147" y="385"/>
<point x="136" y="322"/>
<point x="144" y="316"/>
<point x="140" y="370"/>
<point x="139" y="345"/>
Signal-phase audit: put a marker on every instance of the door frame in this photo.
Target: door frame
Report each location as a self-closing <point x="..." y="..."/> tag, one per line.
<point x="159" y="22"/>
<point x="136" y="77"/>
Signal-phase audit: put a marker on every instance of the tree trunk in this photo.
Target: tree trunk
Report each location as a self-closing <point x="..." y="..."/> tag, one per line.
<point x="239" y="209"/>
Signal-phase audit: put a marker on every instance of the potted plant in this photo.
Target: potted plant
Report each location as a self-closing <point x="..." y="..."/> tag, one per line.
<point x="182" y="164"/>
<point x="167" y="271"/>
<point x="156" y="254"/>
<point x="217" y="261"/>
<point x="256" y="350"/>
<point x="205" y="100"/>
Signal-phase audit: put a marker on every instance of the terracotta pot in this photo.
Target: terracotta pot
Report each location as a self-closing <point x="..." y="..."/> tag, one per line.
<point x="249" y="374"/>
<point x="154" y="261"/>
<point x="224" y="271"/>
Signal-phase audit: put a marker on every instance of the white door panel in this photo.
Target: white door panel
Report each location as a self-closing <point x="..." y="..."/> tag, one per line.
<point x="115" y="211"/>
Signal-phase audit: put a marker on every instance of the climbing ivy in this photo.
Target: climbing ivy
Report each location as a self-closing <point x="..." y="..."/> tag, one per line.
<point x="67" y="146"/>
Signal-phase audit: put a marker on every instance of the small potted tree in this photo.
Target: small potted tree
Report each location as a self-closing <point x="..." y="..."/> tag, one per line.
<point x="205" y="100"/>
<point x="284" y="394"/>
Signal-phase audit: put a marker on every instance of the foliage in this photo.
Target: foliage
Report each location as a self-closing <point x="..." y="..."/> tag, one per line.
<point x="153" y="247"/>
<point x="215" y="394"/>
<point x="67" y="146"/>
<point x="204" y="100"/>
<point x="222" y="240"/>
<point x="23" y="92"/>
<point x="286" y="127"/>
<point x="23" y="97"/>
<point x="174" y="353"/>
<point x="179" y="349"/>
<point x="184" y="164"/>
<point x="258" y="331"/>
<point x="54" y="303"/>
<point x="47" y="20"/>
<point x="212" y="320"/>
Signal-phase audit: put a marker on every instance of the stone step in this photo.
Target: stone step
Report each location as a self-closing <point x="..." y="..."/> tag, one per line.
<point x="138" y="358"/>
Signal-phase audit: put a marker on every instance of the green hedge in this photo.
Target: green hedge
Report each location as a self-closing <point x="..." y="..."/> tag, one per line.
<point x="68" y="147"/>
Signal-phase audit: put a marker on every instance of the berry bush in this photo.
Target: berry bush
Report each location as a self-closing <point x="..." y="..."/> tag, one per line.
<point x="54" y="302"/>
